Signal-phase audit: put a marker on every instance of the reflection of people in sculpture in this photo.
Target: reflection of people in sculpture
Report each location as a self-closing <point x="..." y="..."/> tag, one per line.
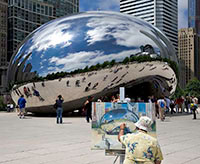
<point x="140" y="146"/>
<point x="26" y="92"/>
<point x="43" y="85"/>
<point x="88" y="108"/>
<point x="34" y="84"/>
<point x="37" y="94"/>
<point x="83" y="79"/>
<point x="77" y="83"/>
<point x="95" y="85"/>
<point x="67" y="83"/>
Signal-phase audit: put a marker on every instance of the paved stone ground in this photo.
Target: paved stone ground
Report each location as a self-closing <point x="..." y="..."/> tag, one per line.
<point x="38" y="140"/>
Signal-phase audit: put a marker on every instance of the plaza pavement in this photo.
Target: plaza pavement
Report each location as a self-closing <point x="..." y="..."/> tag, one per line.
<point x="38" y="140"/>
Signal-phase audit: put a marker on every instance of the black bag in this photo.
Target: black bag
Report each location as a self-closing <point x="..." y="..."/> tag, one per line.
<point x="55" y="106"/>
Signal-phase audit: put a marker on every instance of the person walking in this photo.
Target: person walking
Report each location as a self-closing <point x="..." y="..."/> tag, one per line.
<point x="141" y="148"/>
<point x="168" y="102"/>
<point x="88" y="108"/>
<point x="59" y="109"/>
<point x="172" y="105"/>
<point x="194" y="107"/>
<point x="162" y="108"/>
<point x="22" y="104"/>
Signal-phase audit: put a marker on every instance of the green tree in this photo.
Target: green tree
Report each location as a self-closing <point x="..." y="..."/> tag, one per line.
<point x="193" y="88"/>
<point x="105" y="64"/>
<point x="86" y="69"/>
<point x="126" y="60"/>
<point x="178" y="93"/>
<point x="2" y="105"/>
<point x="112" y="63"/>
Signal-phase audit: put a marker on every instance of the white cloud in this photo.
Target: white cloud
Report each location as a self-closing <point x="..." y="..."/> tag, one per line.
<point x="182" y="14"/>
<point x="82" y="59"/>
<point x="50" y="36"/>
<point x="126" y="34"/>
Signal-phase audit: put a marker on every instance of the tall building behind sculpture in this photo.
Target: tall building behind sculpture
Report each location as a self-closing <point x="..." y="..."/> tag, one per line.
<point x="3" y="42"/>
<point x="3" y="32"/>
<point x="194" y="15"/>
<point x="63" y="7"/>
<point x="188" y="43"/>
<point x="24" y="16"/>
<point x="160" y="13"/>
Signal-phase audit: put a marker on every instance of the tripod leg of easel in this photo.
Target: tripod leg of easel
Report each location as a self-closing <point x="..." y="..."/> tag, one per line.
<point x="121" y="159"/>
<point x="115" y="160"/>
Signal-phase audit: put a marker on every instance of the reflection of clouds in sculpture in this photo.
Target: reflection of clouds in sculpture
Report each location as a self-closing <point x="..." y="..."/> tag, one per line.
<point x="79" y="60"/>
<point x="42" y="56"/>
<point x="105" y="28"/>
<point x="52" y="35"/>
<point x="74" y="42"/>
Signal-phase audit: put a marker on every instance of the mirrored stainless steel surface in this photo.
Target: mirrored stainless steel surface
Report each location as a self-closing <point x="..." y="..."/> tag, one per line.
<point x="74" y="42"/>
<point x="79" y="41"/>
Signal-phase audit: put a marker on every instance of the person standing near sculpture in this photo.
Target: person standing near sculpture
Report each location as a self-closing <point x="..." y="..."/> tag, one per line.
<point x="162" y="108"/>
<point x="194" y="106"/>
<point x="59" y="109"/>
<point x="141" y="148"/>
<point x="88" y="108"/>
<point x="22" y="104"/>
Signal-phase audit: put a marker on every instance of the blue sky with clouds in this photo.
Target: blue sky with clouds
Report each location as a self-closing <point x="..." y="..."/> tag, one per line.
<point x="113" y="5"/>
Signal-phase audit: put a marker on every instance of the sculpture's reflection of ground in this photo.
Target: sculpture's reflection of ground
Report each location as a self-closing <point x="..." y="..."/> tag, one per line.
<point x="108" y="80"/>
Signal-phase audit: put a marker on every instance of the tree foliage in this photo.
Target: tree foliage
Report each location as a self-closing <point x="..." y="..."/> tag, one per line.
<point x="2" y="105"/>
<point x="178" y="93"/>
<point x="107" y="64"/>
<point x="193" y="88"/>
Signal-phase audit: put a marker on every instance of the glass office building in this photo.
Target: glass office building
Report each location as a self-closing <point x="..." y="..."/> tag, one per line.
<point x="3" y="32"/>
<point x="160" y="13"/>
<point x="194" y="15"/>
<point x="24" y="16"/>
<point x="3" y="43"/>
<point x="63" y="7"/>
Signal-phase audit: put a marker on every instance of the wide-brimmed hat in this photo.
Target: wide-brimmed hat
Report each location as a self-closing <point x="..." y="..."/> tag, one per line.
<point x="144" y="123"/>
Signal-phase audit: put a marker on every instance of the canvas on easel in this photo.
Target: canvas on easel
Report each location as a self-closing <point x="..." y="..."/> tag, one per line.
<point x="107" y="118"/>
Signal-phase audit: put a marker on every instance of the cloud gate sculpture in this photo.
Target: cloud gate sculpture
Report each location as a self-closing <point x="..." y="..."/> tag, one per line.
<point x="89" y="50"/>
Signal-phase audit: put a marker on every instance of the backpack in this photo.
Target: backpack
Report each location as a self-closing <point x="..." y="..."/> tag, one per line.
<point x="162" y="104"/>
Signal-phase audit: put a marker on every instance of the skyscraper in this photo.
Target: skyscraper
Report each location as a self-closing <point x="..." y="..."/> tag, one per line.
<point x="3" y="32"/>
<point x="63" y="7"/>
<point x="24" y="16"/>
<point x="161" y="13"/>
<point x="3" y="42"/>
<point x="194" y="15"/>
<point x="188" y="43"/>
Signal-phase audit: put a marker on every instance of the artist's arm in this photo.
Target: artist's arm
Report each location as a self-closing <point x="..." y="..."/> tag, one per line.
<point x="86" y="103"/>
<point x="121" y="132"/>
<point x="158" y="155"/>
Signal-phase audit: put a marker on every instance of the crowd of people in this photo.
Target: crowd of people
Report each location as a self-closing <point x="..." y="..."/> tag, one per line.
<point x="188" y="104"/>
<point x="163" y="105"/>
<point x="140" y="146"/>
<point x="29" y="93"/>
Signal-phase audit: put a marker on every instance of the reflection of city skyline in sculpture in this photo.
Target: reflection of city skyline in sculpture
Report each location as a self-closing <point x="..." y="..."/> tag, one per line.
<point x="84" y="40"/>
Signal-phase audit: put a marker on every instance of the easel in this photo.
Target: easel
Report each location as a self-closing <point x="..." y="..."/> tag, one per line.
<point x="118" y="153"/>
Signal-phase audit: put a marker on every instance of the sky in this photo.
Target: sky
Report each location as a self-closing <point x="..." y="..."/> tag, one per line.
<point x="113" y="5"/>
